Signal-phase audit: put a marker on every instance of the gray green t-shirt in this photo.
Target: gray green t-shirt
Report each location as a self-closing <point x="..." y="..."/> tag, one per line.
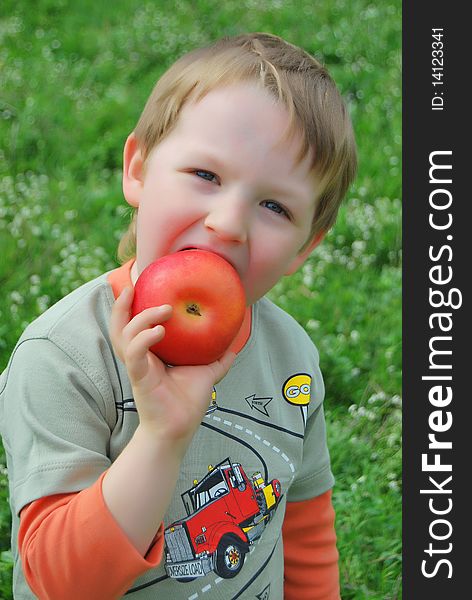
<point x="67" y="412"/>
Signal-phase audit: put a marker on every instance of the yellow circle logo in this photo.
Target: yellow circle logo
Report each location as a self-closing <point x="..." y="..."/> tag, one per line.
<point x="297" y="389"/>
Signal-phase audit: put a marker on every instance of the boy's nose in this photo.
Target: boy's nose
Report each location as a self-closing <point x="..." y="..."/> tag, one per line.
<point x="228" y="222"/>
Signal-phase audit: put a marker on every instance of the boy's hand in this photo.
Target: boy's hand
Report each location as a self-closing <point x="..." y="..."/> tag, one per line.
<point x="171" y="401"/>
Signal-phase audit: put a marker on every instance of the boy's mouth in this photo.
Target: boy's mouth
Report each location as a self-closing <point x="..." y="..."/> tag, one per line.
<point x="207" y="249"/>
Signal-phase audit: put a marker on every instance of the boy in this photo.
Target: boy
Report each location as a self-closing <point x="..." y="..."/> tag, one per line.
<point x="118" y="466"/>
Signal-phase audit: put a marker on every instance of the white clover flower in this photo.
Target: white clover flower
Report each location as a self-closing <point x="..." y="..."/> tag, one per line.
<point x="308" y="279"/>
<point x="43" y="303"/>
<point x="358" y="246"/>
<point x="16" y="297"/>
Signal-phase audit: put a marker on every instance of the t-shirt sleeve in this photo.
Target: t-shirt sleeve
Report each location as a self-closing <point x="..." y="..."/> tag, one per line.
<point x="314" y="476"/>
<point x="70" y="544"/>
<point x="58" y="428"/>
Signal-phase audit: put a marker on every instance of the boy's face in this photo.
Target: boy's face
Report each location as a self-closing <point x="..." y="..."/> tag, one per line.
<point x="222" y="181"/>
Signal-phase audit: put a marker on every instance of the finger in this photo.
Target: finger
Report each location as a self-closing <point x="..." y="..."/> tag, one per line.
<point x="120" y="316"/>
<point x="136" y="353"/>
<point x="147" y="319"/>
<point x="122" y="305"/>
<point x="221" y="367"/>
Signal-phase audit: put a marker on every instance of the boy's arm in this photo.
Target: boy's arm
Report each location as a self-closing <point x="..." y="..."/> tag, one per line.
<point x="135" y="491"/>
<point x="56" y="531"/>
<point x="171" y="403"/>
<point x="310" y="554"/>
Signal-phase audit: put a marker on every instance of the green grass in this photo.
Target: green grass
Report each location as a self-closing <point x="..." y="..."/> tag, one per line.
<point x="73" y="80"/>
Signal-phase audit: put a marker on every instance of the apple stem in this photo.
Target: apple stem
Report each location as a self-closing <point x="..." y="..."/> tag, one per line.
<point x="193" y="309"/>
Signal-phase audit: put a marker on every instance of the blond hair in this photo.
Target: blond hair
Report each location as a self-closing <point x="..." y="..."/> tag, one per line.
<point x="288" y="73"/>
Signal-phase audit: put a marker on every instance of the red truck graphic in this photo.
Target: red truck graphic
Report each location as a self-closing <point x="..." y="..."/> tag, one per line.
<point x="226" y="513"/>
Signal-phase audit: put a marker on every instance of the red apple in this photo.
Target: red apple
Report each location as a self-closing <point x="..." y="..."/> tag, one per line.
<point x="208" y="303"/>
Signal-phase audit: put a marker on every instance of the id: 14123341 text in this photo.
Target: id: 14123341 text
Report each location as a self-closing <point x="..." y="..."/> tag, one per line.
<point x="437" y="68"/>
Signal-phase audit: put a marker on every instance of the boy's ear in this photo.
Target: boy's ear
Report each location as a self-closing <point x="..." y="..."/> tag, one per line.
<point x="305" y="253"/>
<point x="133" y="173"/>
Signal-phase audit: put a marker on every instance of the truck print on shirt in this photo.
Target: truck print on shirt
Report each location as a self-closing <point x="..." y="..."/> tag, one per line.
<point x="226" y="512"/>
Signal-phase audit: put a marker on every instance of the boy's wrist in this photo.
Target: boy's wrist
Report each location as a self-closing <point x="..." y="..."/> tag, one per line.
<point x="154" y="444"/>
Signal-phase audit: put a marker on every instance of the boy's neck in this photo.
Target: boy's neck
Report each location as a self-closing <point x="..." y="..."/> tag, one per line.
<point x="134" y="272"/>
<point x="244" y="333"/>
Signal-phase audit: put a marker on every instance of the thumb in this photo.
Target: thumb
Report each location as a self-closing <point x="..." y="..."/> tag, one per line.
<point x="221" y="366"/>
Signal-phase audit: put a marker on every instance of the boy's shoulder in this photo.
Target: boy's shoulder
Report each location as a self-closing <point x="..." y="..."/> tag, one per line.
<point x="272" y="311"/>
<point x="80" y="311"/>
<point x="280" y="328"/>
<point x="73" y="331"/>
<point x="72" y="336"/>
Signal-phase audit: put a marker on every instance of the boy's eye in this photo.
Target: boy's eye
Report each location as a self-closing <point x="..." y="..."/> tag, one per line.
<point x="206" y="175"/>
<point x="276" y="207"/>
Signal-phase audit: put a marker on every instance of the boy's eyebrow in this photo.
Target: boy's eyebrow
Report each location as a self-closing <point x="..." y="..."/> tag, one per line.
<point x="205" y="157"/>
